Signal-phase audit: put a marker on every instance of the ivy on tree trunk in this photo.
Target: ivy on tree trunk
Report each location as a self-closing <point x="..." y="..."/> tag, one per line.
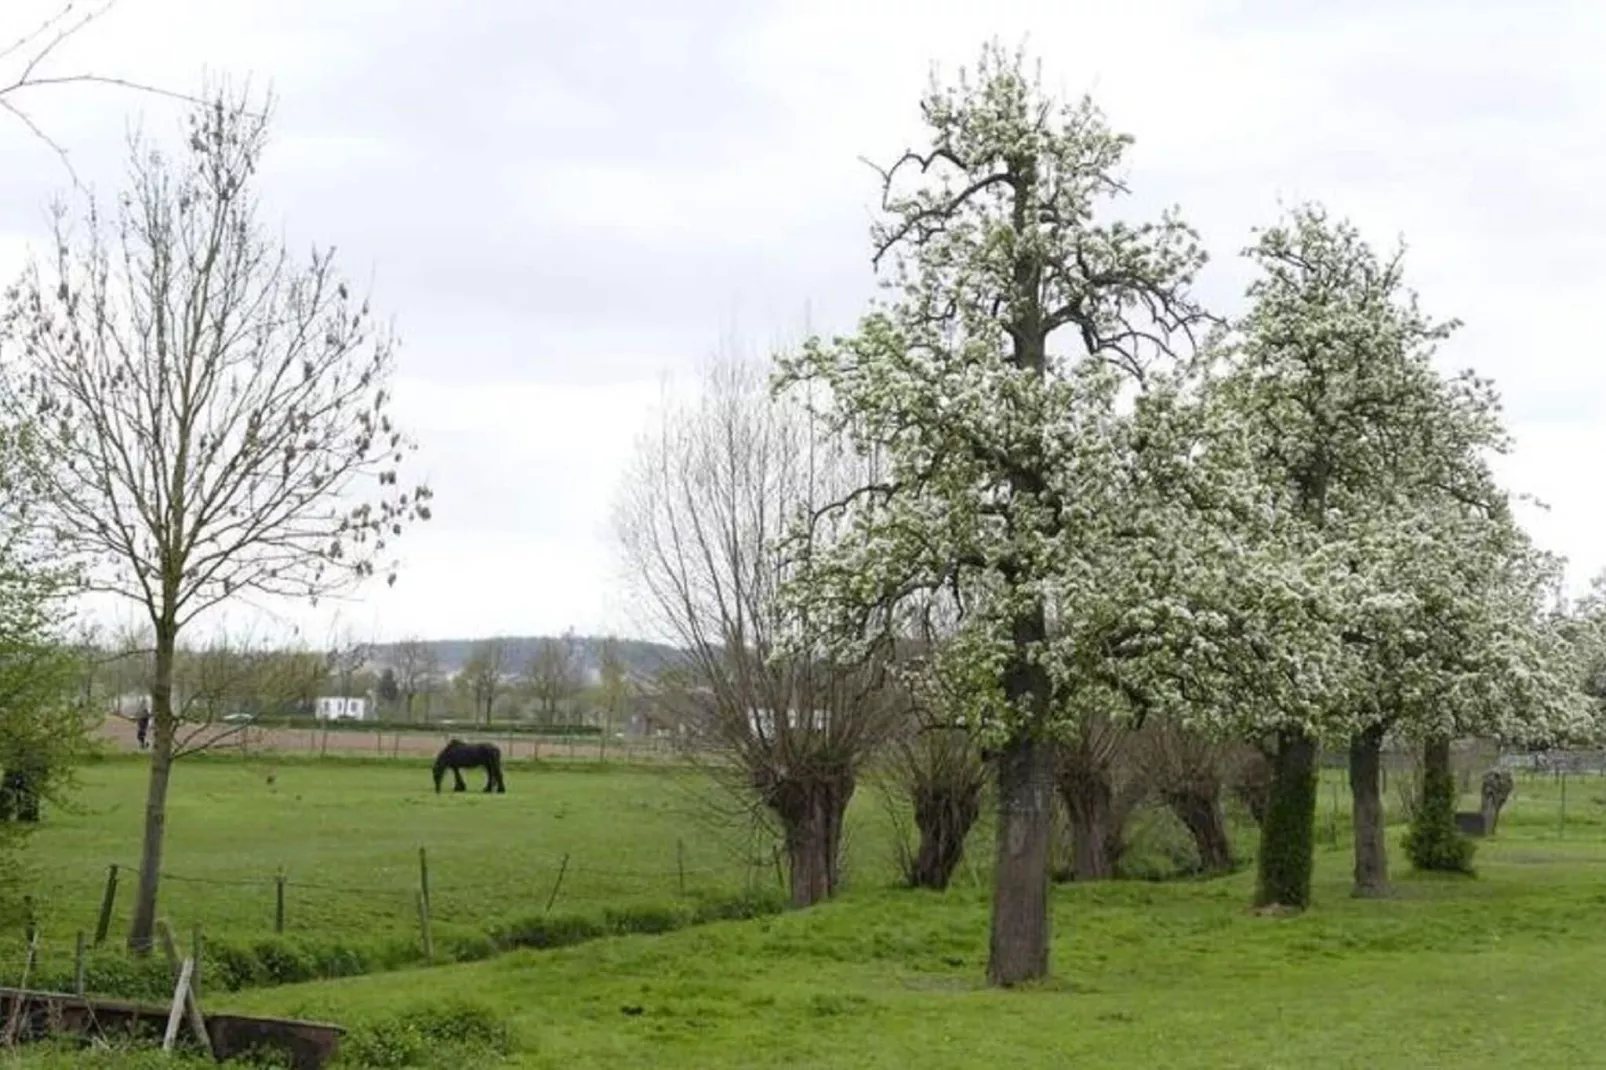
<point x="1434" y="843"/>
<point x="1288" y="833"/>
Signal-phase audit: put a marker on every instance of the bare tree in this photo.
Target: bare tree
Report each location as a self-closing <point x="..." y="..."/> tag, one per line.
<point x="614" y="687"/>
<point x="215" y="413"/>
<point x="1101" y="789"/>
<point x="699" y="524"/>
<point x="223" y="685"/>
<point x="936" y="771"/>
<point x="24" y="62"/>
<point x="347" y="657"/>
<point x="1190" y="772"/>
<point x="933" y="769"/>
<point x="553" y="675"/>
<point x="487" y="662"/>
<point x="415" y="663"/>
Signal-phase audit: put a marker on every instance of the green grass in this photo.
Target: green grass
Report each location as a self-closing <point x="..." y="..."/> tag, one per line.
<point x="1498" y="971"/>
<point x="347" y="834"/>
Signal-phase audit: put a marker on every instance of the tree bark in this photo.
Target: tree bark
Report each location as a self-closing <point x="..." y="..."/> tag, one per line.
<point x="163" y="731"/>
<point x="1018" y="949"/>
<point x="811" y="812"/>
<point x="1287" y="835"/>
<point x="1089" y="803"/>
<point x="1200" y="814"/>
<point x="1366" y="793"/>
<point x="944" y="818"/>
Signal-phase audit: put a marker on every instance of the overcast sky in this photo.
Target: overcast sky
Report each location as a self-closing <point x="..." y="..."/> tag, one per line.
<point x="563" y="203"/>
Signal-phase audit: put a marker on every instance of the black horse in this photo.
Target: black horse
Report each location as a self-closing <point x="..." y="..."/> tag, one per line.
<point x="457" y="755"/>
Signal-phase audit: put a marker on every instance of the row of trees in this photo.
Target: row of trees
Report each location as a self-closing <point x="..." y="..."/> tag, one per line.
<point x="546" y="687"/>
<point x="1043" y="500"/>
<point x="226" y="677"/>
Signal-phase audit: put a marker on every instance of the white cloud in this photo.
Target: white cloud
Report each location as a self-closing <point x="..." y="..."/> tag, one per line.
<point x="562" y="203"/>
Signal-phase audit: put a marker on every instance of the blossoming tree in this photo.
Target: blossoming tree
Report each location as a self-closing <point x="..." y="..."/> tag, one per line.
<point x="1024" y="392"/>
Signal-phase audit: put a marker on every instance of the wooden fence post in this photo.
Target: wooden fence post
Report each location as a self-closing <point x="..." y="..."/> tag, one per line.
<point x="423" y="928"/>
<point x="278" y="901"/>
<point x="197" y="942"/>
<point x="78" y="964"/>
<point x="680" y="863"/>
<point x="562" y="868"/>
<point x="108" y="898"/>
<point x="423" y="875"/>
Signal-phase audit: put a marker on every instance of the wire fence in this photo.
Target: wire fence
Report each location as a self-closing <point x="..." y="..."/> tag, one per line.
<point x="421" y="740"/>
<point x="408" y="914"/>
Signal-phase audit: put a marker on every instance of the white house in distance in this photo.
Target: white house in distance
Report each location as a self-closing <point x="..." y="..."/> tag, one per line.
<point x="341" y="708"/>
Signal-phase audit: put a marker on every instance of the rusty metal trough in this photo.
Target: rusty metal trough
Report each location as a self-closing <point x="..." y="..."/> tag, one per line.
<point x="52" y="1014"/>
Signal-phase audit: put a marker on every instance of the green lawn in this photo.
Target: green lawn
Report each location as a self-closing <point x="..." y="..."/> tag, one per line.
<point x="347" y="834"/>
<point x="1500" y="971"/>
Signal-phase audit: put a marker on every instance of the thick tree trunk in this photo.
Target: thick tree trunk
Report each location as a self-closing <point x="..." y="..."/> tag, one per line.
<point x="811" y="811"/>
<point x="1200" y="813"/>
<point x="1366" y="792"/>
<point x="944" y="818"/>
<point x="163" y="731"/>
<point x="1288" y="832"/>
<point x="1018" y="949"/>
<point x="1090" y="805"/>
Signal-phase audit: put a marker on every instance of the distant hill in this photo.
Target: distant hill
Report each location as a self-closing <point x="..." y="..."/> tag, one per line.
<point x="642" y="658"/>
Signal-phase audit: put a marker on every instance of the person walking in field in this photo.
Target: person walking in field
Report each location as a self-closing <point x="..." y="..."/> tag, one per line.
<point x="142" y="727"/>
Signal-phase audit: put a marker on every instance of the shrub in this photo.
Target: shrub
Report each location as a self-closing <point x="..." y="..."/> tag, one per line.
<point x="741" y="907"/>
<point x="110" y="972"/>
<point x="450" y="1035"/>
<point x="647" y="918"/>
<point x="548" y="930"/>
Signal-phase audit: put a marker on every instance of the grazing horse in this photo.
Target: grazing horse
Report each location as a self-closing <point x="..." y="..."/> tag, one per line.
<point x="457" y="755"/>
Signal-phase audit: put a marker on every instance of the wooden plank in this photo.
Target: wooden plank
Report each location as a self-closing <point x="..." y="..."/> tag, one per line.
<point x="176" y="1015"/>
<point x="197" y="1020"/>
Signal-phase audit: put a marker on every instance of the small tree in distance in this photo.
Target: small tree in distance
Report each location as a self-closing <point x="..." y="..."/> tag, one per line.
<point x="213" y="413"/>
<point x="487" y="661"/>
<point x="416" y="665"/>
<point x="613" y="685"/>
<point x="553" y="675"/>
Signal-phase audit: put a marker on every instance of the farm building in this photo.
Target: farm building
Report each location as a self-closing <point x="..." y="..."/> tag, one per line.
<point x="341" y="708"/>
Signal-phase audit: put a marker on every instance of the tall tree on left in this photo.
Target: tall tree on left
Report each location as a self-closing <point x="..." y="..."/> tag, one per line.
<point x="211" y="410"/>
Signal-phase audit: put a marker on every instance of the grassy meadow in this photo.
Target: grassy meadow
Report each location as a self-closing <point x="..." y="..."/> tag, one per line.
<point x="1500" y="971"/>
<point x="346" y="836"/>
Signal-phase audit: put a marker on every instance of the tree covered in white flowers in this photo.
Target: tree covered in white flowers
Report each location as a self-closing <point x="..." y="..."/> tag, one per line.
<point x="1581" y="626"/>
<point x="1430" y="605"/>
<point x="1026" y="394"/>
